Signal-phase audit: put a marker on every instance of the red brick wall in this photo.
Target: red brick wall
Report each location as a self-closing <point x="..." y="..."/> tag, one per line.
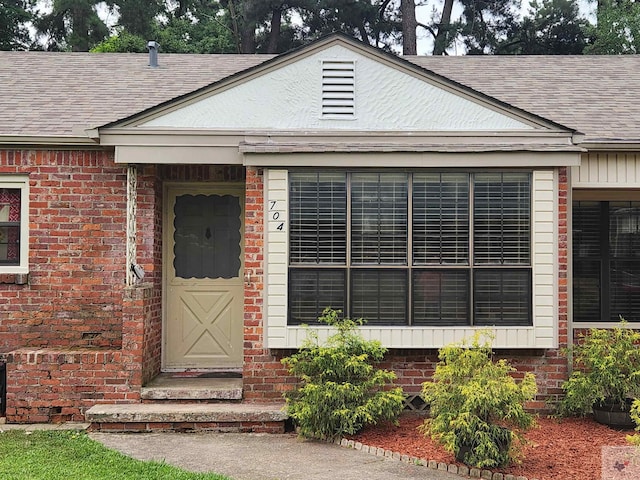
<point x="76" y="252"/>
<point x="265" y="379"/>
<point x="149" y="255"/>
<point x="59" y="385"/>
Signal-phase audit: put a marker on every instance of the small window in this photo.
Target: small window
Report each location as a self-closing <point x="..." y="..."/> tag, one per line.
<point x="14" y="238"/>
<point x="338" y="89"/>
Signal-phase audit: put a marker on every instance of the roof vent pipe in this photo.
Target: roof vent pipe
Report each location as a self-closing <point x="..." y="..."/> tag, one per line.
<point x="153" y="53"/>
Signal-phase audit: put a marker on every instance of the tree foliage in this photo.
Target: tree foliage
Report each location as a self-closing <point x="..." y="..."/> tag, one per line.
<point x="13" y="31"/>
<point x="275" y="26"/>
<point x="552" y="27"/>
<point x="617" y="30"/>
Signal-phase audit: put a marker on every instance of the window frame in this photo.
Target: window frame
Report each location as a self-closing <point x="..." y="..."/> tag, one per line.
<point x="603" y="259"/>
<point x="410" y="267"/>
<point x="19" y="182"/>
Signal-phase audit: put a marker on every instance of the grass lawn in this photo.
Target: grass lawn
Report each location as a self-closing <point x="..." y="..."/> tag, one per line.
<point x="53" y="455"/>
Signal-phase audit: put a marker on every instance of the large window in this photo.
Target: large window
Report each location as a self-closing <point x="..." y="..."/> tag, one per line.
<point x="411" y="248"/>
<point x="13" y="225"/>
<point x="606" y="261"/>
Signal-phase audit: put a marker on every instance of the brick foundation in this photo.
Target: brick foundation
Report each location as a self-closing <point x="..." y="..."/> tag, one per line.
<point x="223" y="427"/>
<point x="59" y="385"/>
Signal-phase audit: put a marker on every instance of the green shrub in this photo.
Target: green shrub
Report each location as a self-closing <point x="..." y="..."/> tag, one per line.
<point x="341" y="390"/>
<point x="635" y="416"/>
<point x="606" y="370"/>
<point x="474" y="401"/>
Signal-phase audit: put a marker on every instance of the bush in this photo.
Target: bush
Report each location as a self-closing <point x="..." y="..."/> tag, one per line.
<point x="606" y="370"/>
<point x="474" y="402"/>
<point x="635" y="416"/>
<point x="341" y="390"/>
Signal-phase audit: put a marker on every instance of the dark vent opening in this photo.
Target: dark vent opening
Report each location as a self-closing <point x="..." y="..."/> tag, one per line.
<point x="338" y="89"/>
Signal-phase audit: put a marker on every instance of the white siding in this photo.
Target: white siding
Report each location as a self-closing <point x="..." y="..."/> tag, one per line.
<point x="543" y="257"/>
<point x="276" y="234"/>
<point x="386" y="99"/>
<point x="607" y="170"/>
<point x="543" y="333"/>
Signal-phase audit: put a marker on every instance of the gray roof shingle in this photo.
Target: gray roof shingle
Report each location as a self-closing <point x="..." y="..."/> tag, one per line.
<point x="55" y="94"/>
<point x="596" y="95"/>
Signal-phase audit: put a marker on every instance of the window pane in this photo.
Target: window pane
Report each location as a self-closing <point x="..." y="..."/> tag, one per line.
<point x="318" y="218"/>
<point x="501" y="221"/>
<point x="502" y="297"/>
<point x="379" y="218"/>
<point x="586" y="290"/>
<point x="311" y="291"/>
<point x="624" y="229"/>
<point x="440" y="297"/>
<point x="9" y="226"/>
<point x="625" y="290"/>
<point x="586" y="229"/>
<point x="207" y="236"/>
<point x="379" y="296"/>
<point x="440" y="218"/>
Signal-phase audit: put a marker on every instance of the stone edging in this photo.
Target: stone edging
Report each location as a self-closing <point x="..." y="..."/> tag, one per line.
<point x="432" y="464"/>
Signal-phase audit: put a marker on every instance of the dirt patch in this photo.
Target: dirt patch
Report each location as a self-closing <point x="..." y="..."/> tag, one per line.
<point x="557" y="449"/>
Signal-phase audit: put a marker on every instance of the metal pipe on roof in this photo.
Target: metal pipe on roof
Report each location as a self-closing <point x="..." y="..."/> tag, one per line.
<point x="153" y="53"/>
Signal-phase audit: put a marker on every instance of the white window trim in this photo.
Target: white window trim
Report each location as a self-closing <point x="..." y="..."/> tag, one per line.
<point x="544" y="247"/>
<point x="20" y="182"/>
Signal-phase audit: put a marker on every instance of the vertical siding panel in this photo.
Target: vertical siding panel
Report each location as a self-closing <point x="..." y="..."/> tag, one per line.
<point x="544" y="253"/>
<point x="607" y="170"/>
<point x="276" y="260"/>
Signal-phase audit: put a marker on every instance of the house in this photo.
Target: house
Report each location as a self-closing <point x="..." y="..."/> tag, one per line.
<point x="190" y="217"/>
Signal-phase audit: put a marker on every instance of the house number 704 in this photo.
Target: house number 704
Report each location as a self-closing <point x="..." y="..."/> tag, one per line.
<point x="275" y="215"/>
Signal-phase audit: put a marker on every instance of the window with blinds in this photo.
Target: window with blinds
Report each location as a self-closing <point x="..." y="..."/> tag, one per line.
<point x="395" y="248"/>
<point x="606" y="261"/>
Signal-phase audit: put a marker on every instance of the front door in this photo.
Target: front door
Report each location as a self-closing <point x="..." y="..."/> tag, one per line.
<point x="203" y="277"/>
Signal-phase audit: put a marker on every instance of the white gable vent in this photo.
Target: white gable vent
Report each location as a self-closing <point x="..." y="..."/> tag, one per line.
<point x="338" y="89"/>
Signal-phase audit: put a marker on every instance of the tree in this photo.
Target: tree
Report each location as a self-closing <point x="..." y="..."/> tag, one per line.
<point x="372" y="21"/>
<point x="617" y="29"/>
<point x="482" y="27"/>
<point x="486" y="24"/>
<point x="138" y="17"/>
<point x="553" y="27"/>
<point x="73" y="24"/>
<point x="14" y="15"/>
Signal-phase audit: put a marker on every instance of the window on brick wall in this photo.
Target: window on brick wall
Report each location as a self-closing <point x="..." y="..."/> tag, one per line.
<point x="416" y="248"/>
<point x="14" y="238"/>
<point x="606" y="261"/>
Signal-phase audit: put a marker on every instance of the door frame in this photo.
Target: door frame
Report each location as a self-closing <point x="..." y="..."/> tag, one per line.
<point x="215" y="188"/>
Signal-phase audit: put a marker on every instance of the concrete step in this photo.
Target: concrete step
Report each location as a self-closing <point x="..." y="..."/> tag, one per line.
<point x="167" y="387"/>
<point x="221" y="417"/>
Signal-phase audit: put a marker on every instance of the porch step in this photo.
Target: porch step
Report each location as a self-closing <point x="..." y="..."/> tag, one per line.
<point x="168" y="387"/>
<point x="222" y="417"/>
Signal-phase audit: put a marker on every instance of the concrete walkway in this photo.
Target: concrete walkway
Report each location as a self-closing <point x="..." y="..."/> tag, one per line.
<point x="250" y="456"/>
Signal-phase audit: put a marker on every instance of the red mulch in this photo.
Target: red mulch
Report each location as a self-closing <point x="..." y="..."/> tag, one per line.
<point x="557" y="449"/>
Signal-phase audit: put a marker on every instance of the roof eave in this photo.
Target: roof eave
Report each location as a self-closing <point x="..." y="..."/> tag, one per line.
<point x="609" y="144"/>
<point x="59" y="141"/>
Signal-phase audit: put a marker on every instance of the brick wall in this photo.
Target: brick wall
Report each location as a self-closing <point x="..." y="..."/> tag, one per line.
<point x="73" y="297"/>
<point x="62" y="331"/>
<point x="59" y="385"/>
<point x="265" y="379"/>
